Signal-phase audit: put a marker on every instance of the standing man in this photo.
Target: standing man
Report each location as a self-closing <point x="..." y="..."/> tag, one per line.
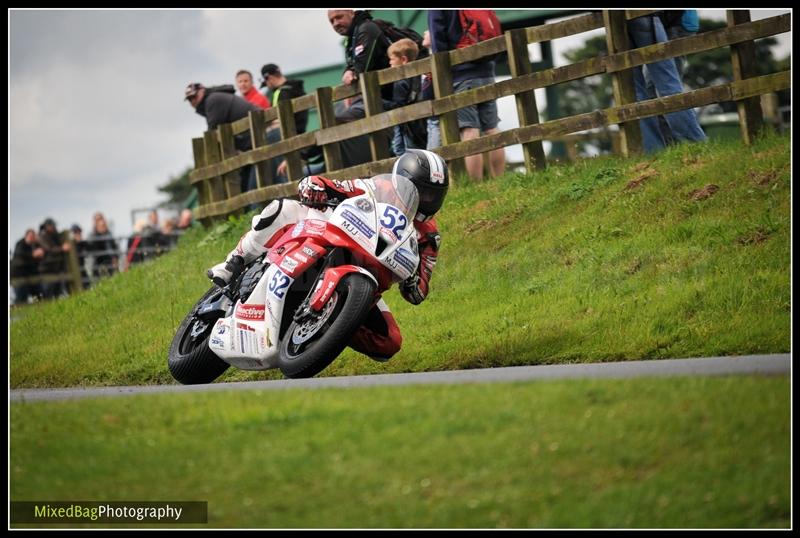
<point x="219" y="105"/>
<point x="244" y="81"/>
<point x="683" y="124"/>
<point x="25" y="263"/>
<point x="283" y="88"/>
<point x="364" y="49"/>
<point x="55" y="258"/>
<point x="446" y="33"/>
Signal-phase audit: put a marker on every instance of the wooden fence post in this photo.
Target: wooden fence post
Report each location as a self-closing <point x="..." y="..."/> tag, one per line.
<point x="73" y="268"/>
<point x="213" y="156"/>
<point x="288" y="130"/>
<point x="232" y="180"/>
<point x="373" y="104"/>
<point x="519" y="64"/>
<point x="199" y="151"/>
<point x="258" y="134"/>
<point x="327" y="118"/>
<point x="743" y="61"/>
<point x="442" y="76"/>
<point x="622" y="81"/>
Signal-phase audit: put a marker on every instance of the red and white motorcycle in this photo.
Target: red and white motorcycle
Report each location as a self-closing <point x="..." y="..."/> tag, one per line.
<point x="297" y="307"/>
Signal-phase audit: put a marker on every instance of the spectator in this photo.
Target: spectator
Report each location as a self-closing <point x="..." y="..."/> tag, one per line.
<point x="186" y="220"/>
<point x="244" y="81"/>
<point x="170" y="234"/>
<point x="218" y="105"/>
<point x="24" y="264"/>
<point x="153" y="242"/>
<point x="82" y="250"/>
<point x="473" y="121"/>
<point x="104" y="248"/>
<point x="434" y="135"/>
<point x="152" y="219"/>
<point x="54" y="261"/>
<point x="283" y="88"/>
<point x="677" y="23"/>
<point x="134" y="251"/>
<point x="365" y="50"/>
<point x="683" y="125"/>
<point x="413" y="134"/>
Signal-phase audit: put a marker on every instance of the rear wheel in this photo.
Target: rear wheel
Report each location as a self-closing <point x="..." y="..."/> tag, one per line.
<point x="190" y="360"/>
<point x="310" y="346"/>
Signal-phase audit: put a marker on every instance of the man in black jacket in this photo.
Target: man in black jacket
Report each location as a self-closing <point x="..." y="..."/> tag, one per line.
<point x="25" y="263"/>
<point x="219" y="105"/>
<point x="364" y="48"/>
<point x="282" y="89"/>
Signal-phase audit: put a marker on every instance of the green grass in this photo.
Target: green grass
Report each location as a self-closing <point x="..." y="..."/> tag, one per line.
<point x="705" y="452"/>
<point x="578" y="263"/>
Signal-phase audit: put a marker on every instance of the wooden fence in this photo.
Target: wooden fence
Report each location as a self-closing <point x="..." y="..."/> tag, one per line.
<point x="217" y="163"/>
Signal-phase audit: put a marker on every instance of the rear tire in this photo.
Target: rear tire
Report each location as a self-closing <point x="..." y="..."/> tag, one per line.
<point x="190" y="360"/>
<point x="305" y="355"/>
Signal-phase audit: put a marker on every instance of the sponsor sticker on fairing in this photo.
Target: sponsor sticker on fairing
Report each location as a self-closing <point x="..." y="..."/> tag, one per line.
<point x="364" y="205"/>
<point x="298" y="228"/>
<point x="404" y="261"/>
<point x="289" y="264"/>
<point x="253" y="312"/>
<point x="360" y="225"/>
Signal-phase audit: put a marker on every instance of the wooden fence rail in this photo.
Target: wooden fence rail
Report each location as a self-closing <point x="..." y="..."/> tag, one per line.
<point x="217" y="164"/>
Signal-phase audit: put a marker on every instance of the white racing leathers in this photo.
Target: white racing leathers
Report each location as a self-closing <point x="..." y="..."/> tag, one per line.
<point x="277" y="215"/>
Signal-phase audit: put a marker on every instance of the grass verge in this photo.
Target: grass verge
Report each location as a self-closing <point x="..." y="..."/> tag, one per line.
<point x="705" y="452"/>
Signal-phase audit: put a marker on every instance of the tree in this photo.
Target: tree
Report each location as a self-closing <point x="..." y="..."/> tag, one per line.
<point x="703" y="69"/>
<point x="177" y="188"/>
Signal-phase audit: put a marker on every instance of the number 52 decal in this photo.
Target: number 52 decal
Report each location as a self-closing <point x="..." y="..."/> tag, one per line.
<point x="278" y="284"/>
<point x="394" y="220"/>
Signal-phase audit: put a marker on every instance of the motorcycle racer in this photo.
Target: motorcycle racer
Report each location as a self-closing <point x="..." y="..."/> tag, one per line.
<point x="379" y="337"/>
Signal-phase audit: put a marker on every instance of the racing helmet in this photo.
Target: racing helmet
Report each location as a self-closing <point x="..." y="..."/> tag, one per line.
<point x="429" y="173"/>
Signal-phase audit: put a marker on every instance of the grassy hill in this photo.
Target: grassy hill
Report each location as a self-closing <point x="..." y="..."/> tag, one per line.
<point x="681" y="254"/>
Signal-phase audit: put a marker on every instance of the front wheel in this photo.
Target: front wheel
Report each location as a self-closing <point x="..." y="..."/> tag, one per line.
<point x="190" y="360"/>
<point x="311" y="345"/>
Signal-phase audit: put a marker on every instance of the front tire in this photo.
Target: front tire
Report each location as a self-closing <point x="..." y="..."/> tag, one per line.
<point x="190" y="360"/>
<point x="309" y="347"/>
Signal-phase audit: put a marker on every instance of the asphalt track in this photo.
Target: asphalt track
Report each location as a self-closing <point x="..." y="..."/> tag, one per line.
<point x="777" y="364"/>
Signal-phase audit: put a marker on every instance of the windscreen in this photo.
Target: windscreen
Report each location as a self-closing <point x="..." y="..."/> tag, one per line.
<point x="396" y="190"/>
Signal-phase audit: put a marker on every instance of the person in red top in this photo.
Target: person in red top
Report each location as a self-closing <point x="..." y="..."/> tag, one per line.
<point x="379" y="337"/>
<point x="244" y="82"/>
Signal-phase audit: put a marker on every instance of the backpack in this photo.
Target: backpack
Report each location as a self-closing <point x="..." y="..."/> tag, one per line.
<point x="416" y="130"/>
<point x="478" y="25"/>
<point x="394" y="33"/>
<point x="683" y="18"/>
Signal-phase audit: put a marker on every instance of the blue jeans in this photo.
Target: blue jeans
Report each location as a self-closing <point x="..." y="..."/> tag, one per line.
<point x="434" y="133"/>
<point x="683" y="124"/>
<point x="398" y="141"/>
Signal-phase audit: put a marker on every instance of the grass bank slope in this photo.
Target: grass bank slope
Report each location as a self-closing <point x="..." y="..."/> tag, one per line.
<point x="685" y="253"/>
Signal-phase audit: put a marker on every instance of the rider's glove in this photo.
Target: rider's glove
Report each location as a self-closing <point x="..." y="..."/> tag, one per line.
<point x="320" y="192"/>
<point x="409" y="289"/>
<point x="313" y="192"/>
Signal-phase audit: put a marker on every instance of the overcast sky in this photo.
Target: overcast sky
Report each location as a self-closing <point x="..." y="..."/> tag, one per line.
<point x="96" y="116"/>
